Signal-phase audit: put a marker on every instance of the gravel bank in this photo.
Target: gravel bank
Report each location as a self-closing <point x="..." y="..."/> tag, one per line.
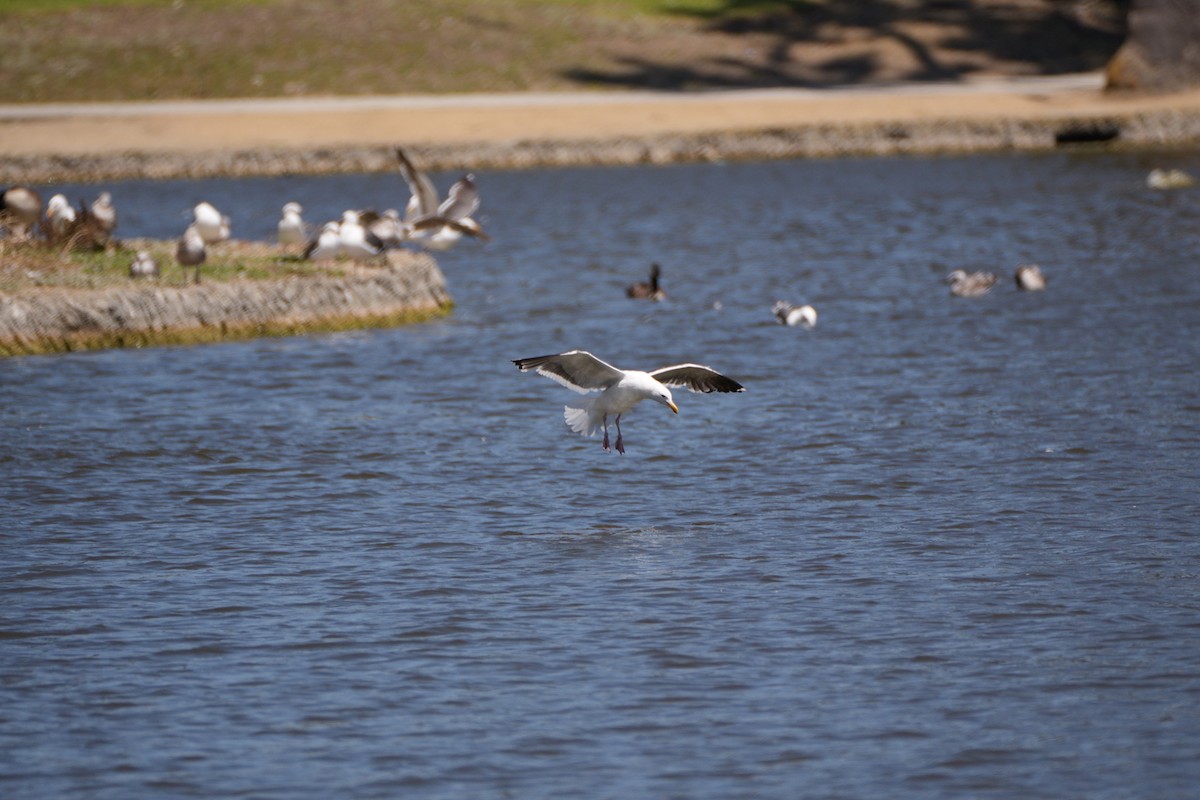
<point x="409" y="288"/>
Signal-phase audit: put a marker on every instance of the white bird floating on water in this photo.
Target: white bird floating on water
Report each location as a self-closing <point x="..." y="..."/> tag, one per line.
<point x="290" y="229"/>
<point x="355" y="241"/>
<point x="620" y="390"/>
<point x="1029" y="278"/>
<point x="439" y="227"/>
<point x="790" y="315"/>
<point x="1169" y="179"/>
<point x="210" y="224"/>
<point x="973" y="284"/>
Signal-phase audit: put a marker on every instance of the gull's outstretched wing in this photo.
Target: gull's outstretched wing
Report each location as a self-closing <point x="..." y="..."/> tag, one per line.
<point x="696" y="378"/>
<point x="424" y="196"/>
<point x="577" y="370"/>
<point x="462" y="199"/>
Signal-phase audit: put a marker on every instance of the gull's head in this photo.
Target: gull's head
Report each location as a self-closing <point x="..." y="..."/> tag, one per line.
<point x="662" y="395"/>
<point x="293" y="208"/>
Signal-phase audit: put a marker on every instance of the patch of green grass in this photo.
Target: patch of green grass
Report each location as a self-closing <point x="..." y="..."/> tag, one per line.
<point x="26" y="265"/>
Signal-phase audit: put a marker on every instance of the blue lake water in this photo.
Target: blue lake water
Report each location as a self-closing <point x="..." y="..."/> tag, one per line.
<point x="940" y="548"/>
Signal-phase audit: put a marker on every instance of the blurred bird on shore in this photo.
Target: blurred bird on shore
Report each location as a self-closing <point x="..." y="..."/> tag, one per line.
<point x="20" y="211"/>
<point x="59" y="220"/>
<point x="190" y="251"/>
<point x="291" y="229"/>
<point x="211" y="225"/>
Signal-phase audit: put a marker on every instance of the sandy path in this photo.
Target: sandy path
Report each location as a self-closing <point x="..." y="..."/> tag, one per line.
<point x="100" y="130"/>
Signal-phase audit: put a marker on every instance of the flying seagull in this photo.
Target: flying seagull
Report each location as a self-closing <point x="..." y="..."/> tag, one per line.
<point x="439" y="227"/>
<point x="620" y="389"/>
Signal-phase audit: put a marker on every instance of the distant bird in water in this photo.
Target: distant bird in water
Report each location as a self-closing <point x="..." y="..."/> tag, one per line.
<point x="143" y="266"/>
<point x="647" y="290"/>
<point x="1029" y="278"/>
<point x="792" y="316"/>
<point x="439" y="227"/>
<point x="20" y="210"/>
<point x="973" y="284"/>
<point x="190" y="252"/>
<point x="290" y="229"/>
<point x="1169" y="179"/>
<point x="211" y="225"/>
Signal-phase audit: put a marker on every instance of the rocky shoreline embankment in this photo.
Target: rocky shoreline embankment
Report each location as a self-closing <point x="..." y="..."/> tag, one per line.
<point x="410" y="287"/>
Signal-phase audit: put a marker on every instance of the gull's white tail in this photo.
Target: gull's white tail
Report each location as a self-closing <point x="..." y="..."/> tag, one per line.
<point x="581" y="418"/>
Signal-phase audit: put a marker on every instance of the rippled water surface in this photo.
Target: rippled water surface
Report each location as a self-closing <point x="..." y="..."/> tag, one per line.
<point x="939" y="548"/>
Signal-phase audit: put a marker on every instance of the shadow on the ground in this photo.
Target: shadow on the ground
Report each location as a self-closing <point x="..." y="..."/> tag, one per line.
<point x="820" y="43"/>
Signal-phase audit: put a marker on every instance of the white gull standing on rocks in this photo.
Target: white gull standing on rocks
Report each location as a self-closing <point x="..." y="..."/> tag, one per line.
<point x="60" y="218"/>
<point x="210" y="224"/>
<point x="355" y="241"/>
<point x="190" y="251"/>
<point x="20" y="210"/>
<point x="620" y="390"/>
<point x="326" y="245"/>
<point x="290" y="229"/>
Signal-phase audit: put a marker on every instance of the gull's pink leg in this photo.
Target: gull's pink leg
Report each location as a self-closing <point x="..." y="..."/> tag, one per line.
<point x="606" y="433"/>
<point x="620" y="446"/>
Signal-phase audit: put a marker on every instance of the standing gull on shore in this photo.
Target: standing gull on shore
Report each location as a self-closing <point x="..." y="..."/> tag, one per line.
<point x="190" y="251"/>
<point x="290" y="230"/>
<point x="20" y="210"/>
<point x="211" y="225"/>
<point x="620" y="390"/>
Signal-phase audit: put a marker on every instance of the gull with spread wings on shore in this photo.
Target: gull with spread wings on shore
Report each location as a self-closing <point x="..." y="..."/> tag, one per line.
<point x="620" y="390"/>
<point x="439" y="226"/>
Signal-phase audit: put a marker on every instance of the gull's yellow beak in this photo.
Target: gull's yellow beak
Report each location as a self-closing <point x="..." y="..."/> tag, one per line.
<point x="673" y="407"/>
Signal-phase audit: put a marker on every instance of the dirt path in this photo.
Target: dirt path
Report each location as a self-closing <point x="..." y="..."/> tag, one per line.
<point x="49" y="142"/>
